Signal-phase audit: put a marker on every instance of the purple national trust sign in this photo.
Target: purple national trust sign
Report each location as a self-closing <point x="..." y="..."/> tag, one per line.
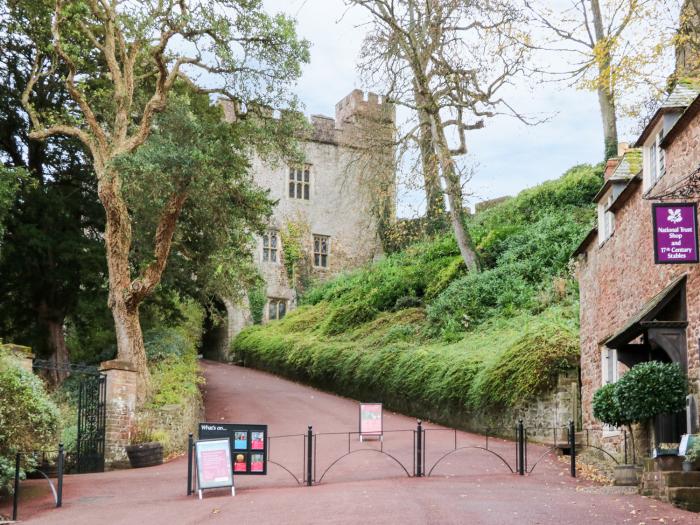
<point x="675" y="233"/>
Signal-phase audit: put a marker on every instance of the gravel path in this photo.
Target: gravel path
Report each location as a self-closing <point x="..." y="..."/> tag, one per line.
<point x="471" y="486"/>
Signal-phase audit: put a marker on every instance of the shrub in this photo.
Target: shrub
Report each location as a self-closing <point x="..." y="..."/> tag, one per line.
<point x="28" y="417"/>
<point x="651" y="388"/>
<point x="163" y="342"/>
<point x="606" y="407"/>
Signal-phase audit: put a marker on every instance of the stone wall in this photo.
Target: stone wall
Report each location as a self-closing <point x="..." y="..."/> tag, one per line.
<point x="551" y="410"/>
<point x="618" y="278"/>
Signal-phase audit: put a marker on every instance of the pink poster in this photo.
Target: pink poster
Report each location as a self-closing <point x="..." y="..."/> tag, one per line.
<point x="371" y="419"/>
<point x="256" y="463"/>
<point x="214" y="466"/>
<point x="239" y="463"/>
<point x="257" y="441"/>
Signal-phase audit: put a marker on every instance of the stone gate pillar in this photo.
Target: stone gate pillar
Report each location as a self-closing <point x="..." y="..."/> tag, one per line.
<point x="119" y="411"/>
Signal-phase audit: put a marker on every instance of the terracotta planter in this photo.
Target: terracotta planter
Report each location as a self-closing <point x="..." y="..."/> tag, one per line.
<point x="145" y="454"/>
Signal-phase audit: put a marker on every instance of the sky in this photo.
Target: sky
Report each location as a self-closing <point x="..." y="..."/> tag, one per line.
<point x="507" y="156"/>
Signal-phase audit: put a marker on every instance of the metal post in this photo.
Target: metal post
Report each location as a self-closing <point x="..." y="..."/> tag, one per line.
<point x="572" y="444"/>
<point x="624" y="433"/>
<point x="419" y="449"/>
<point x="309" y="456"/>
<point x="190" y="446"/>
<point x="59" y="495"/>
<point x="521" y="447"/>
<point x="15" y="498"/>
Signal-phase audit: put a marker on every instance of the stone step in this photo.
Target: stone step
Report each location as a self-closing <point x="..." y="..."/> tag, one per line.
<point x="685" y="497"/>
<point x="671" y="479"/>
<point x="663" y="464"/>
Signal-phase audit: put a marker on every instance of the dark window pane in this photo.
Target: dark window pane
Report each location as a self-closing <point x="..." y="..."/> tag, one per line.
<point x="316" y="260"/>
<point x="291" y="173"/>
<point x="273" y="255"/>
<point x="272" y="311"/>
<point x="291" y="189"/>
<point x="299" y="175"/>
<point x="282" y="309"/>
<point x="306" y="175"/>
<point x="324" y="261"/>
<point x="264" y="254"/>
<point x="306" y="191"/>
<point x="298" y="190"/>
<point x="266" y="240"/>
<point x="273" y="240"/>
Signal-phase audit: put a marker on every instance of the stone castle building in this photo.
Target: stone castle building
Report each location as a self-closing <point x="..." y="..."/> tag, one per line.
<point x="327" y="211"/>
<point x="637" y="303"/>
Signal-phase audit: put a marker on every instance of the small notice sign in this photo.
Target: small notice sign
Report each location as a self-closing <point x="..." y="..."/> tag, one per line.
<point x="371" y="421"/>
<point x="675" y="233"/>
<point x="213" y="464"/>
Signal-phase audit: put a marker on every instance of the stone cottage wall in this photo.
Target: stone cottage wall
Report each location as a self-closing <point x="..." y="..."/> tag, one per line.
<point x="620" y="277"/>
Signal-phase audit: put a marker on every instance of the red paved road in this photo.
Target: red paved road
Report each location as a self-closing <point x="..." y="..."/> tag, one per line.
<point x="472" y="486"/>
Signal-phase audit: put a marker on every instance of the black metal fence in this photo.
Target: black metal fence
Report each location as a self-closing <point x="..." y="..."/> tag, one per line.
<point x="429" y="448"/>
<point x="42" y="464"/>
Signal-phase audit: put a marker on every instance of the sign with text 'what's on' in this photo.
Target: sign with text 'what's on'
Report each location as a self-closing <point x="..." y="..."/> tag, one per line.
<point x="213" y="464"/>
<point x="371" y="421"/>
<point x="248" y="445"/>
<point x="675" y="233"/>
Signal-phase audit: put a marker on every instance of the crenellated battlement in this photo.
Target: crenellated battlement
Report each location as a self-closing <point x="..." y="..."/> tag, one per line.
<point x="357" y="105"/>
<point x="354" y="111"/>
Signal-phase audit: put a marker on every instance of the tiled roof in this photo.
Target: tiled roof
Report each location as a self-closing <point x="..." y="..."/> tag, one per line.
<point x="682" y="95"/>
<point x="629" y="166"/>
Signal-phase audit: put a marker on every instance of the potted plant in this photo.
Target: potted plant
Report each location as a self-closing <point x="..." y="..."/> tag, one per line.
<point x="644" y="392"/>
<point x="143" y="450"/>
<point x="606" y="409"/>
<point x="651" y="389"/>
<point x="692" y="457"/>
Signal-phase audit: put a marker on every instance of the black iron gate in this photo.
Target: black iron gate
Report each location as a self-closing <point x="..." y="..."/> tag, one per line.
<point x="89" y="453"/>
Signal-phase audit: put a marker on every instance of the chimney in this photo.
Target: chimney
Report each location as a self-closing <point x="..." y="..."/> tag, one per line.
<point x="610" y="167"/>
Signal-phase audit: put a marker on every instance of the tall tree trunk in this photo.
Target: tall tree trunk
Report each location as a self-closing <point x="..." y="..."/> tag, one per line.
<point x="606" y="89"/>
<point x="608" y="114"/>
<point x="435" y="197"/>
<point x="453" y="187"/>
<point x="52" y="324"/>
<point x="125" y="313"/>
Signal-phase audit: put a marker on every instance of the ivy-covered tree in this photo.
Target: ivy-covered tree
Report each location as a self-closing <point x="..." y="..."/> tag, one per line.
<point x="229" y="47"/>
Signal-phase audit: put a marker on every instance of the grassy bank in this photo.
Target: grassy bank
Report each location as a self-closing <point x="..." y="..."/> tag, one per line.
<point x="419" y="333"/>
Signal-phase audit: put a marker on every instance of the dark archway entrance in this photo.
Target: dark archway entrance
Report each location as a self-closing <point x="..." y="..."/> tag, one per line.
<point x="657" y="333"/>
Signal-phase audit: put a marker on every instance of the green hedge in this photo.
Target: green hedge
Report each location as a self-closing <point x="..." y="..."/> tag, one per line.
<point x="504" y="363"/>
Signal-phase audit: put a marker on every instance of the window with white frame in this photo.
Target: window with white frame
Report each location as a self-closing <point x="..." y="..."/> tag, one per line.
<point x="270" y="247"/>
<point x="276" y="308"/>
<point x="322" y="245"/>
<point x="300" y="182"/>
<point x="608" y="363"/>
<point x="609" y="374"/>
<point x="606" y="219"/>
<point x="656" y="159"/>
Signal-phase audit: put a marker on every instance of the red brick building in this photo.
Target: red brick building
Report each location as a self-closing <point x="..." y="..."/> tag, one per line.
<point x="631" y="308"/>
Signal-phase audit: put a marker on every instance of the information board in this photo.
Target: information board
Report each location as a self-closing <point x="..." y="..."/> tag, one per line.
<point x="371" y="421"/>
<point x="213" y="457"/>
<point x="675" y="233"/>
<point x="248" y="445"/>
